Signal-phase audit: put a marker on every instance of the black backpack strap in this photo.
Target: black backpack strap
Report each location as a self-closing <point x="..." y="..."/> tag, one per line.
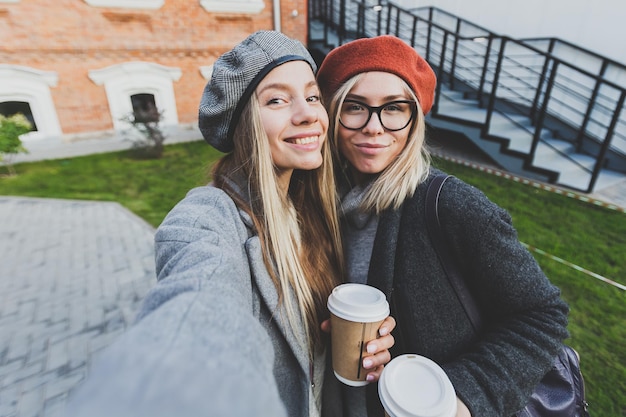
<point x="438" y="240"/>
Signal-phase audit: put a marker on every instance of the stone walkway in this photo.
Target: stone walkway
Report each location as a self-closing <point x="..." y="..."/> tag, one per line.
<point x="71" y="276"/>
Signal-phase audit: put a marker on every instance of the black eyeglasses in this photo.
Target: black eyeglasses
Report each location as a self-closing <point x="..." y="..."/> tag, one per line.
<point x="393" y="116"/>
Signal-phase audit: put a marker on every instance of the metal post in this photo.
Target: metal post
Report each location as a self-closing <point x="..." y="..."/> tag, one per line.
<point x="542" y="79"/>
<point x="542" y="114"/>
<point x="494" y="87"/>
<point x="592" y="103"/>
<point x="607" y="141"/>
<point x="414" y="31"/>
<point x="483" y="76"/>
<point x="342" y="21"/>
<point x="440" y="74"/>
<point x="429" y="34"/>
<point x="455" y="49"/>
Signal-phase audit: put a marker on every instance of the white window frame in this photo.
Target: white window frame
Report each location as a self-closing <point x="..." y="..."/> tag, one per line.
<point x="233" y="6"/>
<point x="127" y="4"/>
<point x="19" y="83"/>
<point x="206" y="71"/>
<point x="124" y="80"/>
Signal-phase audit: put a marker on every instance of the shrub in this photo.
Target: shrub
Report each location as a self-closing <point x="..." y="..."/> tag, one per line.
<point x="152" y="140"/>
<point x="11" y="128"/>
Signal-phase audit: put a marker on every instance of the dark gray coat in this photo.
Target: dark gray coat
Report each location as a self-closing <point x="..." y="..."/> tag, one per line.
<point x="526" y="319"/>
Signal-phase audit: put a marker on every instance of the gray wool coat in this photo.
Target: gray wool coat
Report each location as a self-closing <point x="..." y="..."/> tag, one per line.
<point x="211" y="338"/>
<point x="494" y="372"/>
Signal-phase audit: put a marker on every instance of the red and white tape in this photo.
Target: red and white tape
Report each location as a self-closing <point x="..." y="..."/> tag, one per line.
<point x="574" y="266"/>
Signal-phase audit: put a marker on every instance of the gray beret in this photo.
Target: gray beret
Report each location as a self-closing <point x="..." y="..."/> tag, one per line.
<point x="235" y="76"/>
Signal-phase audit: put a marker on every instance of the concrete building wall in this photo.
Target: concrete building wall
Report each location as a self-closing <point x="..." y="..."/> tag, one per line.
<point x="70" y="39"/>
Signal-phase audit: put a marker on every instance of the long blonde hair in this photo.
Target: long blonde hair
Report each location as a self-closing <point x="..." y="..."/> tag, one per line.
<point x="399" y="180"/>
<point x="299" y="234"/>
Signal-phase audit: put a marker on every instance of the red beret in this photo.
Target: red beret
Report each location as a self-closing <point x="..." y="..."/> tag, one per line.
<point x="384" y="53"/>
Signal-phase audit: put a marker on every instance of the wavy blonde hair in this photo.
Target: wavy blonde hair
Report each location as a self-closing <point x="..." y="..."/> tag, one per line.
<point x="299" y="233"/>
<point x="399" y="180"/>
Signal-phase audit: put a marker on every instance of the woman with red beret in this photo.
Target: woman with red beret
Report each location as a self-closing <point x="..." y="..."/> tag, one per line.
<point x="378" y="91"/>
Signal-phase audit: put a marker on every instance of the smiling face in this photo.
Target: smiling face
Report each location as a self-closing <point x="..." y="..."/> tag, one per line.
<point x="372" y="148"/>
<point x="294" y="118"/>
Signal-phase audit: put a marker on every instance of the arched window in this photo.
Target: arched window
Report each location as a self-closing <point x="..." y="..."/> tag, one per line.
<point x="132" y="83"/>
<point x="28" y="90"/>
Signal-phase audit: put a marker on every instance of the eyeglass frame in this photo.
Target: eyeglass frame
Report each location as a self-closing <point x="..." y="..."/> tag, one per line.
<point x="377" y="110"/>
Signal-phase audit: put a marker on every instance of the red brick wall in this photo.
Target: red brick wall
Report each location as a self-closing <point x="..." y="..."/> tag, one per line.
<point x="294" y="26"/>
<point x="72" y="38"/>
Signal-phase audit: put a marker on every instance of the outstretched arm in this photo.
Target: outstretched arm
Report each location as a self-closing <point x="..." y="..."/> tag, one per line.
<point x="197" y="348"/>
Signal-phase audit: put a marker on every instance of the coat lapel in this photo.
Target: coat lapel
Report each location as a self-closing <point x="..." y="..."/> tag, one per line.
<point x="267" y="290"/>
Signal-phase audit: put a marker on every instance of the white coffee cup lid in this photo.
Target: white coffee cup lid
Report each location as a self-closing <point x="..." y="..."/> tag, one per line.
<point x="414" y="386"/>
<point x="358" y="302"/>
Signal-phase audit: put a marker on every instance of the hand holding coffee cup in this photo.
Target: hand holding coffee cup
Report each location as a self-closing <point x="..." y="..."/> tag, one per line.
<point x="378" y="348"/>
<point x="357" y="311"/>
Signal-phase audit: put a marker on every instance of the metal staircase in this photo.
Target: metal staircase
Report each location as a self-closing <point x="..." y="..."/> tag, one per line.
<point x="524" y="103"/>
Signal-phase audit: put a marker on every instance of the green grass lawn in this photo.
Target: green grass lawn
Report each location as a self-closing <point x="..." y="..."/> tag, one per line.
<point x="148" y="187"/>
<point x="581" y="233"/>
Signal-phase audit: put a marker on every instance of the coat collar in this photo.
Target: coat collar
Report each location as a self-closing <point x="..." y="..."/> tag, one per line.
<point x="267" y="290"/>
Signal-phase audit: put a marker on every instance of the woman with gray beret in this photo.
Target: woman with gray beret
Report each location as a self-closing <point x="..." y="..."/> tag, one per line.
<point x="245" y="264"/>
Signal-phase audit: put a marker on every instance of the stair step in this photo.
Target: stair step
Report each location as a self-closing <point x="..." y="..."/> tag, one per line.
<point x="561" y="145"/>
<point x="453" y="104"/>
<point x="574" y="170"/>
<point x="462" y="112"/>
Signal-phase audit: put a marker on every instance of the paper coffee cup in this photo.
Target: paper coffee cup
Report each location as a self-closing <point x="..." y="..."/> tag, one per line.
<point x="414" y="386"/>
<point x="357" y="311"/>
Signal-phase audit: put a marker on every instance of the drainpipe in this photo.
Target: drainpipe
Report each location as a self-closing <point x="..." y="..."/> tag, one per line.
<point x="277" y="14"/>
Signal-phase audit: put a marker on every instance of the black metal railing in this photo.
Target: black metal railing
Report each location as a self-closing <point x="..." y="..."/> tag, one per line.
<point x="572" y="92"/>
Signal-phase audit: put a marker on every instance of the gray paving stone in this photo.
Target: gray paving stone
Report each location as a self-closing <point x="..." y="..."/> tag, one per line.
<point x="38" y="380"/>
<point x="9" y="400"/>
<point x="11" y="367"/>
<point x="30" y="403"/>
<point x="53" y="407"/>
<point x="62" y="386"/>
<point x="28" y="370"/>
<point x="57" y="356"/>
